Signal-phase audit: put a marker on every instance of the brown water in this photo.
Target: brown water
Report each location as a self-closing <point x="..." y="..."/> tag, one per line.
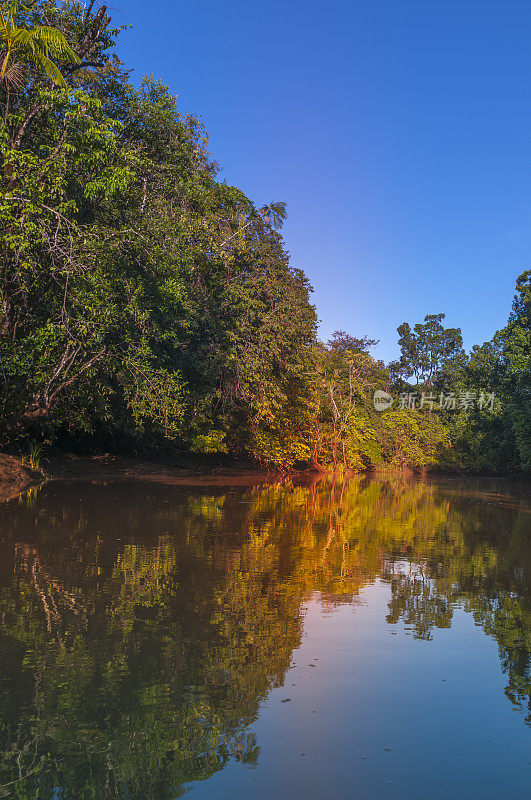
<point x="352" y="640"/>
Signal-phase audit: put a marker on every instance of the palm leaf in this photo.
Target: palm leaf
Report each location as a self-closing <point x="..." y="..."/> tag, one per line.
<point x="15" y="74"/>
<point x="40" y="44"/>
<point x="50" y="40"/>
<point x="20" y="37"/>
<point x="274" y="214"/>
<point x="51" y="70"/>
<point x="54" y="41"/>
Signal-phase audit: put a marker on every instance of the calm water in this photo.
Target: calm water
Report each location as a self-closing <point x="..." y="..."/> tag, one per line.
<point x="362" y="640"/>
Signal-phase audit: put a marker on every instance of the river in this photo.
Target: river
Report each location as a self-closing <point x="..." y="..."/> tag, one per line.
<point x="361" y="639"/>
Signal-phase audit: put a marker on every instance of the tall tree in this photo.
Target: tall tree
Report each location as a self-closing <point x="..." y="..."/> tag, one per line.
<point x="427" y="348"/>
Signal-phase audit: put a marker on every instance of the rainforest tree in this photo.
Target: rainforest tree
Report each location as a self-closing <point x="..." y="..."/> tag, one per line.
<point x="147" y="305"/>
<point x="140" y="297"/>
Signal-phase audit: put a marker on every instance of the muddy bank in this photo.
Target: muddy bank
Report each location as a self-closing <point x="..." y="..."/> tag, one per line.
<point x="16" y="477"/>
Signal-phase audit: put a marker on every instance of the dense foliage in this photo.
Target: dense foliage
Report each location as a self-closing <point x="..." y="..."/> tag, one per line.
<point x="145" y="305"/>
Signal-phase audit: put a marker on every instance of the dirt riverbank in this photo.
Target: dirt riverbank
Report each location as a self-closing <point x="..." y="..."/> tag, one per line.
<point x="16" y="476"/>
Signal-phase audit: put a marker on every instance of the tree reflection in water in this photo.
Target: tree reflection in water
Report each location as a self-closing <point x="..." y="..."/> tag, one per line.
<point x="142" y="624"/>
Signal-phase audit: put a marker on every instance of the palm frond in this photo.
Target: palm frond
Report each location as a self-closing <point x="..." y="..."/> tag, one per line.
<point x="274" y="214"/>
<point x="49" y="40"/>
<point x="54" y="42"/>
<point x="51" y="70"/>
<point x="20" y="37"/>
<point x="15" y="74"/>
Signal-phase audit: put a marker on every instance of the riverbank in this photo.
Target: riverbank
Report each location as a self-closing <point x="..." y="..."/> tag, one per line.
<point x="17" y="477"/>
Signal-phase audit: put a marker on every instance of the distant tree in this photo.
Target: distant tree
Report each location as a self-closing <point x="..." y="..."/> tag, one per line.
<point x="346" y="376"/>
<point x="495" y="437"/>
<point x="427" y="349"/>
<point x="514" y="382"/>
<point x="271" y="216"/>
<point x="274" y="214"/>
<point x="342" y="341"/>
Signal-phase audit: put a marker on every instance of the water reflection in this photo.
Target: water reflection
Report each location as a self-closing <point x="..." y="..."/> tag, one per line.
<point x="142" y="625"/>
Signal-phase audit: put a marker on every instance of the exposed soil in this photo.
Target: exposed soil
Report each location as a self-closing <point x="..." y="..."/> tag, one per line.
<point x="16" y="477"/>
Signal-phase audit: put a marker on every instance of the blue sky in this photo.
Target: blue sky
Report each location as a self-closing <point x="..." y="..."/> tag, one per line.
<point x="398" y="134"/>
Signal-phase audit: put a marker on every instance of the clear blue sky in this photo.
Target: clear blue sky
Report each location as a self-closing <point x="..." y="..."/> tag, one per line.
<point x="398" y="134"/>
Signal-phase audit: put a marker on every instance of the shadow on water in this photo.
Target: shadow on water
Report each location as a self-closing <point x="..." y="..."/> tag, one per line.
<point x="143" y="625"/>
